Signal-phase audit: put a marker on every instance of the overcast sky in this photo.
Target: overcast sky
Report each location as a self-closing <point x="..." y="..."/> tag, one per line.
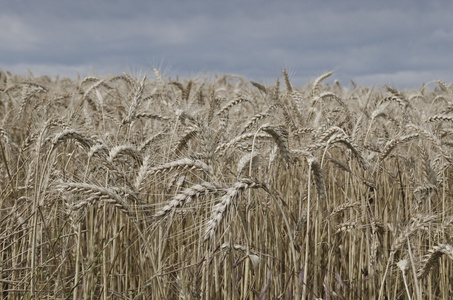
<point x="401" y="43"/>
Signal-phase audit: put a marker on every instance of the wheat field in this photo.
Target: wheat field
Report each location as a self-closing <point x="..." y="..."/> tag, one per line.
<point x="123" y="187"/>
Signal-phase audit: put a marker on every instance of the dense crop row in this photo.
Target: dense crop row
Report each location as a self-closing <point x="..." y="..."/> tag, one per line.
<point x="137" y="188"/>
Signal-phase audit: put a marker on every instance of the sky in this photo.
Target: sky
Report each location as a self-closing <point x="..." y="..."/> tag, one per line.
<point x="399" y="43"/>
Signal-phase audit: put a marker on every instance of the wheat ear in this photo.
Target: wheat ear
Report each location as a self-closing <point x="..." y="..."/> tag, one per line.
<point x="189" y="134"/>
<point x="319" y="179"/>
<point x="259" y="86"/>
<point x="142" y="173"/>
<point x="329" y="132"/>
<point x="237" y="100"/>
<point x="289" y="87"/>
<point x="430" y="137"/>
<point x="186" y="196"/>
<point x="220" y="210"/>
<point x="280" y="136"/>
<point x="152" y="116"/>
<point x="182" y="164"/>
<point x="246" y="160"/>
<point x="135" y="102"/>
<point x="72" y="134"/>
<point x="246" y="136"/>
<point x="317" y="83"/>
<point x="418" y="222"/>
<point x="94" y="192"/>
<point x="126" y="150"/>
<point x="345" y="206"/>
<point x="256" y="118"/>
<point x="440" y="118"/>
<point x="431" y="258"/>
<point x="393" y="143"/>
<point x="354" y="148"/>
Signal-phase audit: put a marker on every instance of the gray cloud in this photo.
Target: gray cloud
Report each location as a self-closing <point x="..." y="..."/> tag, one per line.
<point x="370" y="42"/>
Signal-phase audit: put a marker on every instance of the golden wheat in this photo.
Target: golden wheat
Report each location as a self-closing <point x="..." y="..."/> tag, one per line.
<point x="208" y="188"/>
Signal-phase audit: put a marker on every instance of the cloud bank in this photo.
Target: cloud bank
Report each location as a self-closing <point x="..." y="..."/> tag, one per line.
<point x="372" y="43"/>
